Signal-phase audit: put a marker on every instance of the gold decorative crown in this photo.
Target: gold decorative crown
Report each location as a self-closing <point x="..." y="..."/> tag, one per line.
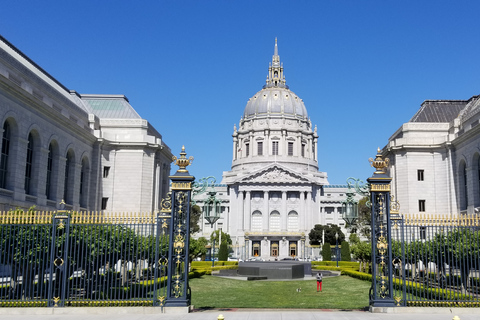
<point x="379" y="164"/>
<point x="182" y="162"/>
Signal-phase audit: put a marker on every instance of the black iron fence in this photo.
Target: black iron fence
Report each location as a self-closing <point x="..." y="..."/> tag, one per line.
<point x="82" y="259"/>
<point x="436" y="260"/>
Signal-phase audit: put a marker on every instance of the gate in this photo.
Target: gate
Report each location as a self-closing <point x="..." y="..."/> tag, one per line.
<point x="436" y="260"/>
<point x="420" y="260"/>
<point x="83" y="259"/>
<point x="68" y="258"/>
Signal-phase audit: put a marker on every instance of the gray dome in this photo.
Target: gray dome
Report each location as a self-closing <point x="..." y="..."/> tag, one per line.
<point x="275" y="101"/>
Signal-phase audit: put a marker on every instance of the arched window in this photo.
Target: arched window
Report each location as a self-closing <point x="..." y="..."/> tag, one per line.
<point x="29" y="165"/>
<point x="84" y="183"/>
<point x="5" y="153"/>
<point x="292" y="222"/>
<point x="463" y="186"/>
<point x="256" y="221"/>
<point x="274" y="221"/>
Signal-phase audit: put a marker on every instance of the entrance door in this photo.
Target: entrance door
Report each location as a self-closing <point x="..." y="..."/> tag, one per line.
<point x="293" y="249"/>
<point x="274" y="248"/>
<point x="256" y="248"/>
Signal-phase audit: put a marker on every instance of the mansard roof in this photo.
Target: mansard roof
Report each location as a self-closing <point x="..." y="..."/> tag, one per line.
<point x="110" y="106"/>
<point x="439" y="110"/>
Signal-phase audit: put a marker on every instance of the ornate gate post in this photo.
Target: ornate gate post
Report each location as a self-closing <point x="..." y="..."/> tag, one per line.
<point x="178" y="260"/>
<point x="381" y="294"/>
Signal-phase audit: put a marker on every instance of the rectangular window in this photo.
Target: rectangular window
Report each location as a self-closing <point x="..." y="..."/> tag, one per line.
<point x="104" y="203"/>
<point x="420" y="175"/>
<point x="421" y="205"/>
<point x="423" y="233"/>
<point x="260" y="148"/>
<point x="247" y="149"/>
<point x="290" y="148"/>
<point x="275" y="148"/>
<point x="303" y="150"/>
<point x="106" y="171"/>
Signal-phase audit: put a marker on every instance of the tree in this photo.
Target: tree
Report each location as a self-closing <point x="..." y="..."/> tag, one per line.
<point x="198" y="247"/>
<point x="195" y="216"/>
<point x="345" y="251"/>
<point x="225" y="237"/>
<point x="318" y="231"/>
<point x="362" y="251"/>
<point x="364" y="220"/>
<point x="353" y="239"/>
<point x="315" y="235"/>
<point x="223" y="252"/>
<point x="327" y="252"/>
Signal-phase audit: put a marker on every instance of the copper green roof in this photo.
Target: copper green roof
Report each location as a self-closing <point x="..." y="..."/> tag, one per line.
<point x="110" y="107"/>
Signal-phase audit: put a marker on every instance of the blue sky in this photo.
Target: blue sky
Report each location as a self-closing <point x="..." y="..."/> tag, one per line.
<point x="189" y="67"/>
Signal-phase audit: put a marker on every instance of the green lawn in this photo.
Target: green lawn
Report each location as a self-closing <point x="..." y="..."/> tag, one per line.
<point x="338" y="293"/>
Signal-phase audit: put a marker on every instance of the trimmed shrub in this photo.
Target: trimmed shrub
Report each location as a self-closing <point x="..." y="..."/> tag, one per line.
<point x="223" y="252"/>
<point x="345" y="251"/>
<point x="327" y="252"/>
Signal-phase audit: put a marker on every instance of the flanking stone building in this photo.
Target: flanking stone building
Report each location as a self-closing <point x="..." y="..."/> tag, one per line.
<point x="93" y="151"/>
<point x="435" y="159"/>
<point x="274" y="193"/>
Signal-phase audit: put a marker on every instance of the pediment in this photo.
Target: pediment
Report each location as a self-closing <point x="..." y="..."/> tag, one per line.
<point x="274" y="174"/>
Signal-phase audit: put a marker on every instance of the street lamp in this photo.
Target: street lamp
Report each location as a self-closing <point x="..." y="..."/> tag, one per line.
<point x="336" y="247"/>
<point x="350" y="208"/>
<point x="211" y="209"/>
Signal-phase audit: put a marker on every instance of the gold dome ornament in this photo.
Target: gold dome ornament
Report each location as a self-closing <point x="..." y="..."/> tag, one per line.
<point x="379" y="163"/>
<point x="182" y="162"/>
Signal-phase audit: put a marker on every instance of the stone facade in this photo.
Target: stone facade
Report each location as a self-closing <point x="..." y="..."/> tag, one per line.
<point x="92" y="151"/>
<point x="435" y="159"/>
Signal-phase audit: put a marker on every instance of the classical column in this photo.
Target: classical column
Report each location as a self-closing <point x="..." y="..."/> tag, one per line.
<point x="235" y="148"/>
<point x="248" y="211"/>
<point x="266" y="213"/>
<point x="308" y="203"/>
<point x="299" y="146"/>
<point x="239" y="202"/>
<point x="303" y="211"/>
<point x="284" y="214"/>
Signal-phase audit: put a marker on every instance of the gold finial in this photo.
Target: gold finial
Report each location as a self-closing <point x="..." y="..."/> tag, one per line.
<point x="182" y="162"/>
<point x="379" y="164"/>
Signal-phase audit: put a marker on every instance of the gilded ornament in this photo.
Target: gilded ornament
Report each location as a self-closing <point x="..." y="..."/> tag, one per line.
<point x="182" y="162"/>
<point x="382" y="245"/>
<point x="379" y="163"/>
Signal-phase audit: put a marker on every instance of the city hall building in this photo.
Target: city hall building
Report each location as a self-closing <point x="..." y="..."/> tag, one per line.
<point x="274" y="193"/>
<point x="92" y="151"/>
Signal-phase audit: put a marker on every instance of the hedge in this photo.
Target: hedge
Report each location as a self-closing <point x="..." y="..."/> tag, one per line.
<point x="334" y="263"/>
<point x="421" y="291"/>
<point x="103" y="303"/>
<point x="206" y="264"/>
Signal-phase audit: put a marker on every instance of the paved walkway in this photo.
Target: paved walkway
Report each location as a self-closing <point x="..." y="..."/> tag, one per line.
<point x="237" y="314"/>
